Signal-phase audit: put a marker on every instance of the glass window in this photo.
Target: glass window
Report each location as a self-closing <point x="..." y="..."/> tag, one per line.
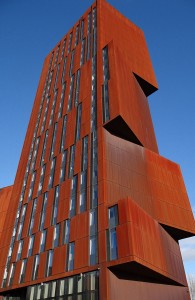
<point x="70" y="93"/>
<point x="53" y="140"/>
<point x="63" y="135"/>
<point x="82" y="29"/>
<point x="66" y="231"/>
<point x="57" y="75"/>
<point x="44" y="147"/>
<point x="83" y="191"/>
<point x="71" y="161"/>
<point x="77" y="89"/>
<point x="53" y="109"/>
<point x="23" y="271"/>
<point x="77" y="36"/>
<point x="35" y="154"/>
<point x="11" y="274"/>
<point x="82" y="60"/>
<point x="70" y="257"/>
<point x="52" y="172"/>
<point x="78" y="122"/>
<point x="71" y="63"/>
<point x="63" y="48"/>
<point x="113" y="216"/>
<point x="62" y="100"/>
<point x="112" y="244"/>
<point x="64" y="70"/>
<point x="93" y="252"/>
<point x="49" y="82"/>
<point x="93" y="222"/>
<point x="21" y="223"/>
<point x="43" y="240"/>
<point x="105" y="64"/>
<point x="19" y="252"/>
<point x="57" y="54"/>
<point x="41" y="180"/>
<point x="49" y="263"/>
<point x="73" y="196"/>
<point x="70" y="43"/>
<point x="35" y="267"/>
<point x="56" y="235"/>
<point x="45" y="114"/>
<point x="55" y="205"/>
<point x="30" y="245"/>
<point x="43" y="212"/>
<point x="31" y="186"/>
<point x="31" y="224"/>
<point x="84" y="161"/>
<point x="63" y="166"/>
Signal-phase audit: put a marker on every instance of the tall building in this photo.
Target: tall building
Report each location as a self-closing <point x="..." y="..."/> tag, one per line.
<point x="95" y="212"/>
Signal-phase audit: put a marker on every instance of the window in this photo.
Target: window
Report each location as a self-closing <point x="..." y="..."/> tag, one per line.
<point x="77" y="90"/>
<point x="23" y="271"/>
<point x="105" y="93"/>
<point x="73" y="196"/>
<point x="94" y="32"/>
<point x="41" y="180"/>
<point x="31" y="186"/>
<point x="19" y="252"/>
<point x="35" y="154"/>
<point x="57" y="54"/>
<point x="78" y="122"/>
<point x="30" y="245"/>
<point x="93" y="253"/>
<point x="49" y="263"/>
<point x="70" y="43"/>
<point x="66" y="235"/>
<point x="63" y="136"/>
<point x="70" y="257"/>
<point x="31" y="224"/>
<point x="88" y="37"/>
<point x="63" y="48"/>
<point x="82" y="29"/>
<point x="51" y="175"/>
<point x="71" y="63"/>
<point x="63" y="166"/>
<point x="82" y="60"/>
<point x="56" y="235"/>
<point x="84" y="161"/>
<point x="11" y="274"/>
<point x="35" y="267"/>
<point x="62" y="100"/>
<point x="43" y="212"/>
<point x="94" y="171"/>
<point x="43" y="240"/>
<point x="21" y="223"/>
<point x="57" y="75"/>
<point x="64" y="70"/>
<point x="53" y="140"/>
<point x="49" y="82"/>
<point x="112" y="250"/>
<point x="93" y="222"/>
<point x="53" y="108"/>
<point x="83" y="191"/>
<point x="44" y="147"/>
<point x="77" y="36"/>
<point x="45" y="114"/>
<point x="70" y="93"/>
<point x="71" y="161"/>
<point x="55" y="205"/>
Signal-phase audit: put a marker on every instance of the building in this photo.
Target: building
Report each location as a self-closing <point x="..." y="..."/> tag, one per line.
<point x="95" y="212"/>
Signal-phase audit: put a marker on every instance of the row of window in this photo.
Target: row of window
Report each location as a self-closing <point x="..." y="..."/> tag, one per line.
<point x="105" y="92"/>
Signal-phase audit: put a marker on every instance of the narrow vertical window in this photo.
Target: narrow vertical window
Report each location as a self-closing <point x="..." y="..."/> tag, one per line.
<point x="22" y="271"/>
<point x="73" y="196"/>
<point x="70" y="43"/>
<point x="71" y="161"/>
<point x="31" y="186"/>
<point x="62" y="100"/>
<point x="77" y="36"/>
<point x="19" y="252"/>
<point x="77" y="89"/>
<point x="53" y="140"/>
<point x="63" y="136"/>
<point x="45" y="114"/>
<point x="44" y="147"/>
<point x="70" y="93"/>
<point x="21" y="223"/>
<point x="41" y="180"/>
<point x="49" y="82"/>
<point x="57" y="54"/>
<point x="53" y="107"/>
<point x="30" y="245"/>
<point x="84" y="160"/>
<point x="64" y="70"/>
<point x="63" y="166"/>
<point x="66" y="235"/>
<point x="31" y="224"/>
<point x="56" y="235"/>
<point x="88" y="37"/>
<point x="94" y="171"/>
<point x="105" y="94"/>
<point x="43" y="240"/>
<point x="71" y="63"/>
<point x="55" y="205"/>
<point x="70" y="257"/>
<point x="35" y="154"/>
<point x="78" y="122"/>
<point x="94" y="31"/>
<point x="93" y="253"/>
<point x="112" y="249"/>
<point x="11" y="274"/>
<point x="83" y="191"/>
<point x="82" y="29"/>
<point x="35" y="267"/>
<point x="43" y="212"/>
<point x="63" y="48"/>
<point x="82" y="60"/>
<point x="93" y="222"/>
<point x="49" y="263"/>
<point x="57" y="75"/>
<point x="52" y="172"/>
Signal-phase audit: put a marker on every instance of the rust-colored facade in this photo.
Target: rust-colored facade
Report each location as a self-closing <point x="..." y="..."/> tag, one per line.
<point x="95" y="212"/>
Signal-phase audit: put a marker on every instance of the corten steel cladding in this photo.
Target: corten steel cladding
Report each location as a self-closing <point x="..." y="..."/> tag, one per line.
<point x="95" y="211"/>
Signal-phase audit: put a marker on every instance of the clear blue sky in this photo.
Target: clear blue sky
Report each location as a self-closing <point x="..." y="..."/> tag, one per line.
<point x="30" y="29"/>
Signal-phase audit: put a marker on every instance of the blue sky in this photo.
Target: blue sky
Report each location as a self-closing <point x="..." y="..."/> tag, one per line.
<point x="30" y="29"/>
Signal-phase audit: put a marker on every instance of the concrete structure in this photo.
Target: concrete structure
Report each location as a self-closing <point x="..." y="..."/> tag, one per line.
<point x="95" y="211"/>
